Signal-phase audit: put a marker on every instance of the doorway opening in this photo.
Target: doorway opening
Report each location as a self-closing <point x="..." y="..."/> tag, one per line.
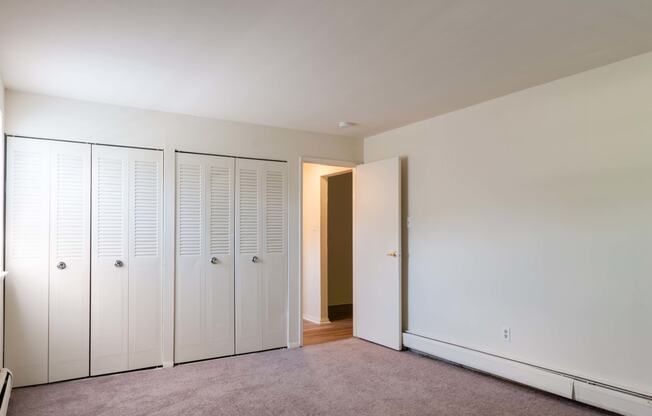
<point x="327" y="253"/>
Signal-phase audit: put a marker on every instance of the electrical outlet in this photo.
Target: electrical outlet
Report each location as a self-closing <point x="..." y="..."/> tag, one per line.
<point x="507" y="334"/>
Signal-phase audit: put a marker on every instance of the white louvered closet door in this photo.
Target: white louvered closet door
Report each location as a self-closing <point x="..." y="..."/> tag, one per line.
<point x="145" y="257"/>
<point x="204" y="313"/>
<point x="27" y="260"/>
<point x="70" y="182"/>
<point x="109" y="273"/>
<point x="126" y="259"/>
<point x="261" y="259"/>
<point x="48" y="259"/>
<point x="275" y="254"/>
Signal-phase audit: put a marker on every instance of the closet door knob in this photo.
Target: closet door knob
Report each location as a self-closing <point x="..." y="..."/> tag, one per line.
<point x="61" y="265"/>
<point x="118" y="263"/>
<point x="214" y="260"/>
<point x="254" y="259"/>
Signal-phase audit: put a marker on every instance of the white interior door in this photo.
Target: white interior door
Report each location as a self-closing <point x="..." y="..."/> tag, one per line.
<point x="376" y="256"/>
<point x="27" y="260"/>
<point x="261" y="255"/>
<point x="109" y="255"/>
<point x="69" y="306"/>
<point x="204" y="312"/>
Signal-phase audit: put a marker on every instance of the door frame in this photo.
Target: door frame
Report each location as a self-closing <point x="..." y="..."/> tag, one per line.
<point x="329" y="162"/>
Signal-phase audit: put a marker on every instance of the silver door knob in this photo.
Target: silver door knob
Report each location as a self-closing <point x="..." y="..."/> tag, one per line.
<point x="214" y="260"/>
<point x="118" y="263"/>
<point x="393" y="254"/>
<point x="61" y="265"/>
<point x="254" y="259"/>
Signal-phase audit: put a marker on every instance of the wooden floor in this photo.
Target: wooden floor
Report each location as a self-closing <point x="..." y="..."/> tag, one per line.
<point x="332" y="331"/>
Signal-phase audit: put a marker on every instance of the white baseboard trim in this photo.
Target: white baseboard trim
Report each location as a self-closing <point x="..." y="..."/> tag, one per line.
<point x="294" y="345"/>
<point x="315" y="319"/>
<point x="521" y="373"/>
<point x="532" y="376"/>
<point x="168" y="364"/>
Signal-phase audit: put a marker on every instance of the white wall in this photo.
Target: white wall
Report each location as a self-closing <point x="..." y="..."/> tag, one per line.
<point x="312" y="304"/>
<point x="534" y="211"/>
<point x="2" y="215"/>
<point x="50" y="117"/>
<point x="2" y="96"/>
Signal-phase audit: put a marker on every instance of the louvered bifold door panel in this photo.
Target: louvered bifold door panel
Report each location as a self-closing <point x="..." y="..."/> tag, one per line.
<point x="27" y="260"/>
<point x="109" y="261"/>
<point x="190" y="319"/>
<point x="219" y="242"/>
<point x="145" y="216"/>
<point x="70" y="179"/>
<point x="273" y="177"/>
<point x="204" y="267"/>
<point x="248" y="257"/>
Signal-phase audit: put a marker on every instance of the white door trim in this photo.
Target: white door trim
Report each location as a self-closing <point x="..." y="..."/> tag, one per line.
<point x="322" y="161"/>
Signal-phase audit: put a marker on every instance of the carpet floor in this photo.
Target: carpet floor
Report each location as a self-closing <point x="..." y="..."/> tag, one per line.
<point x="349" y="377"/>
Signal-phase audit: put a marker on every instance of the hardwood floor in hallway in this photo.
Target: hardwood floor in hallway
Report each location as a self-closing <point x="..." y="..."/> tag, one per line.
<point x="335" y="330"/>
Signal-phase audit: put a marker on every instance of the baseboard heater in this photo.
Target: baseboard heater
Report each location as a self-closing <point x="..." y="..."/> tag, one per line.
<point x="574" y="388"/>
<point x="5" y="390"/>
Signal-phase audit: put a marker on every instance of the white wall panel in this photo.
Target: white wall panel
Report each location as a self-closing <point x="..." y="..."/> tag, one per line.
<point x="532" y="211"/>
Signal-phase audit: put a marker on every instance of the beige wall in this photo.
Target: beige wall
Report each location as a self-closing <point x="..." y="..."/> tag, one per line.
<point x="44" y="116"/>
<point x="534" y="211"/>
<point x="2" y="213"/>
<point x="313" y="306"/>
<point x="2" y="96"/>
<point x="340" y="242"/>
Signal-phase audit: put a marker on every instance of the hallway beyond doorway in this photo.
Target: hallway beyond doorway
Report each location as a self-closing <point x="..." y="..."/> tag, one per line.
<point x="339" y="327"/>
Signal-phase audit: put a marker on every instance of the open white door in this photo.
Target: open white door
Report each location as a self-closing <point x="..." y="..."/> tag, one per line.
<point x="376" y="253"/>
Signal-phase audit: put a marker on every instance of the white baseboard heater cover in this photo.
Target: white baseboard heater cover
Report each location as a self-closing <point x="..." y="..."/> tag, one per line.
<point x="542" y="379"/>
<point x="612" y="400"/>
<point x="5" y="390"/>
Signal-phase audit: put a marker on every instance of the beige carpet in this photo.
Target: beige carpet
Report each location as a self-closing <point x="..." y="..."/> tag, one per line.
<point x="349" y="377"/>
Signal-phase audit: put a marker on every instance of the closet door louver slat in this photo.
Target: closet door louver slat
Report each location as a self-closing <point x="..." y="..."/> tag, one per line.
<point x="221" y="206"/>
<point x="189" y="209"/>
<point x="248" y="206"/>
<point x="146" y="208"/>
